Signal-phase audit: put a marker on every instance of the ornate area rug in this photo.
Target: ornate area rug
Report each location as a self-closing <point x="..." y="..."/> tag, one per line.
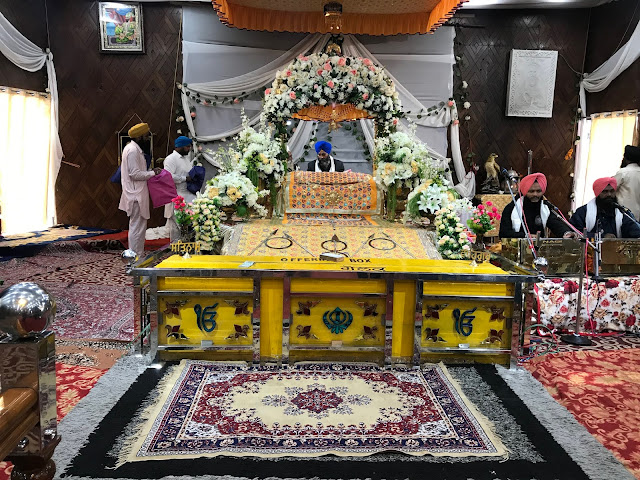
<point x="26" y="244"/>
<point x="602" y="390"/>
<point x="257" y="238"/>
<point x="349" y="192"/>
<point x="331" y="219"/>
<point x="211" y="409"/>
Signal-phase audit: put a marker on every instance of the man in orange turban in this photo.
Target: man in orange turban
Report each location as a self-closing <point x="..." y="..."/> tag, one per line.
<point x="530" y="208"/>
<point x="601" y="213"/>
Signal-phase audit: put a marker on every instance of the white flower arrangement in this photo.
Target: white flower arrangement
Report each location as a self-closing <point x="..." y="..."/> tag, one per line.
<point x="234" y="189"/>
<point x="453" y="242"/>
<point x="402" y="161"/>
<point x="322" y="79"/>
<point x="257" y="154"/>
<point x="206" y="220"/>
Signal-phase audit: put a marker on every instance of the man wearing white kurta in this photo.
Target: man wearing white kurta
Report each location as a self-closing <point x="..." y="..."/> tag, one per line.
<point x="179" y="165"/>
<point x="135" y="193"/>
<point x="628" y="178"/>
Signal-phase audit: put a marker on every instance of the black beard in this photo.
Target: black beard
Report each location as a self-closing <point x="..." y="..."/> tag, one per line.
<point x="606" y="204"/>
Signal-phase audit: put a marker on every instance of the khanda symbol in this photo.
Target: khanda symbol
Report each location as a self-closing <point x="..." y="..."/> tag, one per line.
<point x="206" y="317"/>
<point x="463" y="322"/>
<point x="337" y="321"/>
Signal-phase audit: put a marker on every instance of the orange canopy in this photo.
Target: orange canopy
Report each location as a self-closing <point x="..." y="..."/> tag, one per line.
<point x="328" y="113"/>
<point x="366" y="18"/>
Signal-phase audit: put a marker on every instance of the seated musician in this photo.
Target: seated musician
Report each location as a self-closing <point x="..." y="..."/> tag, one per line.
<point x="535" y="212"/>
<point x="602" y="213"/>
<point x="325" y="162"/>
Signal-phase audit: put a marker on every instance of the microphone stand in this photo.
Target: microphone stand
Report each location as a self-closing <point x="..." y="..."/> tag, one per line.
<point x="520" y="212"/>
<point x="625" y="211"/>
<point x="575" y="338"/>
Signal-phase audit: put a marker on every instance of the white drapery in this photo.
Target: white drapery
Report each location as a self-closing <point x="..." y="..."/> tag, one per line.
<point x="602" y="140"/>
<point x="28" y="56"/>
<point x="223" y="120"/>
<point x="602" y="76"/>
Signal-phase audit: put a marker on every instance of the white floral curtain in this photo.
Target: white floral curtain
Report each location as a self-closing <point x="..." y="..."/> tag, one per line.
<point x="28" y="56"/>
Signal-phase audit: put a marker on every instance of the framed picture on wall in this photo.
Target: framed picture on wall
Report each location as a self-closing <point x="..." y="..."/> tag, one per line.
<point x="121" y="29"/>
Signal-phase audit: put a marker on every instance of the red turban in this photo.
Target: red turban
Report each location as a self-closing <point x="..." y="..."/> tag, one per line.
<point x="600" y="184"/>
<point x="529" y="180"/>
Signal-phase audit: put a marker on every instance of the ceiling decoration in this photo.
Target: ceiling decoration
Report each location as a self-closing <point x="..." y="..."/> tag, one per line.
<point x="365" y="17"/>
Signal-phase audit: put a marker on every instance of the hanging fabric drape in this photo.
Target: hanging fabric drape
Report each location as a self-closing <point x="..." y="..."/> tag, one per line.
<point x="249" y="87"/>
<point x="28" y="56"/>
<point x="602" y="76"/>
<point x="601" y="150"/>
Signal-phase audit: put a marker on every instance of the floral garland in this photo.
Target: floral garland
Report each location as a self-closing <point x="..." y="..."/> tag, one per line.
<point x="206" y="220"/>
<point x="321" y="79"/>
<point x="453" y="243"/>
<point x="234" y="189"/>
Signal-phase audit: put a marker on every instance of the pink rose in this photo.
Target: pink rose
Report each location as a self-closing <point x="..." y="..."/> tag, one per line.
<point x="395" y="121"/>
<point x="365" y="96"/>
<point x="320" y="72"/>
<point x="372" y="68"/>
<point x="330" y="84"/>
<point x="481" y="207"/>
<point x="267" y="91"/>
<point x="342" y="62"/>
<point x="193" y="114"/>
<point x="353" y="72"/>
<point x="450" y="103"/>
<point x="456" y="121"/>
<point x="498" y="217"/>
<point x="489" y="203"/>
<point x="303" y="58"/>
<point x="316" y="86"/>
<point x="367" y="62"/>
<point x="350" y="85"/>
<point x="292" y="95"/>
<point x="288" y="73"/>
<point x="236" y="100"/>
<point x="327" y="67"/>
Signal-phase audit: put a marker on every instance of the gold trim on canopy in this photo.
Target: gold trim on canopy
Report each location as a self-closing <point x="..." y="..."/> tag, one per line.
<point x="330" y="113"/>
<point x="375" y="21"/>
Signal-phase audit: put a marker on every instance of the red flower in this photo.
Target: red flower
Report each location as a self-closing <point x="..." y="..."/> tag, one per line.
<point x="570" y="287"/>
<point x="631" y="320"/>
<point x="611" y="283"/>
<point x="556" y="280"/>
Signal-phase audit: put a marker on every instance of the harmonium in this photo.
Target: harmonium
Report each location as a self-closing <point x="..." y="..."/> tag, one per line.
<point x="566" y="257"/>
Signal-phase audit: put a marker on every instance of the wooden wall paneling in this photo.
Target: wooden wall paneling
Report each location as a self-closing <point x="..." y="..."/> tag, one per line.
<point x="98" y="94"/>
<point x="34" y="27"/>
<point x="606" y="32"/>
<point x="484" y="40"/>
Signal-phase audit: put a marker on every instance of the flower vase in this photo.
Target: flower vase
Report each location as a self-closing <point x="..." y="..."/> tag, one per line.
<point x="391" y="202"/>
<point x="229" y="212"/>
<point x="187" y="233"/>
<point x="479" y="245"/>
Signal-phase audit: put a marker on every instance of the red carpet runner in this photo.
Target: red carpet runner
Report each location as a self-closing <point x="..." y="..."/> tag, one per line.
<point x="602" y="390"/>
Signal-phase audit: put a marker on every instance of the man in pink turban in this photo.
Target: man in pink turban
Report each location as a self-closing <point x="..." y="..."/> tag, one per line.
<point x="601" y="213"/>
<point x="532" y="210"/>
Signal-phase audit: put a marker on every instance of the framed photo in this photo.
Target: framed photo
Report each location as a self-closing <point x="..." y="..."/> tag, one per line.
<point x="120" y="25"/>
<point x="532" y="82"/>
<point x="123" y="139"/>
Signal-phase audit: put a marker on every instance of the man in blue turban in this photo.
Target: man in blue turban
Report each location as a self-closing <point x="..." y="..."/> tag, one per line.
<point x="178" y="163"/>
<point x="325" y="162"/>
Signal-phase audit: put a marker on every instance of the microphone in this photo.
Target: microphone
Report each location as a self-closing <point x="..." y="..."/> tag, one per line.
<point x="621" y="207"/>
<point x="553" y="207"/>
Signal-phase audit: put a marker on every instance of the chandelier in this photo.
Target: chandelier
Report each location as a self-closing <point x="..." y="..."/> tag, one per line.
<point x="333" y="15"/>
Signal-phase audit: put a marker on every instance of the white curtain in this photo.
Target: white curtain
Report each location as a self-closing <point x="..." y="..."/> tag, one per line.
<point x="24" y="160"/>
<point x="602" y="76"/>
<point x="28" y="56"/>
<point x="601" y="150"/>
<point x="215" y="65"/>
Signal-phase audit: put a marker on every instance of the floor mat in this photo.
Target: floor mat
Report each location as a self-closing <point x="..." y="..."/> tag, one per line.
<point x="602" y="390"/>
<point x="27" y="244"/>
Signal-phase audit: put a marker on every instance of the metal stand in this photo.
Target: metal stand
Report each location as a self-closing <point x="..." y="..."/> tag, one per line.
<point x="575" y="338"/>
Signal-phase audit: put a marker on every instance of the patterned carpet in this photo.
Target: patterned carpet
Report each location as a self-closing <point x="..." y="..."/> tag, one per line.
<point x="602" y="390"/>
<point x="27" y="244"/>
<point x="210" y="409"/>
<point x="390" y="241"/>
